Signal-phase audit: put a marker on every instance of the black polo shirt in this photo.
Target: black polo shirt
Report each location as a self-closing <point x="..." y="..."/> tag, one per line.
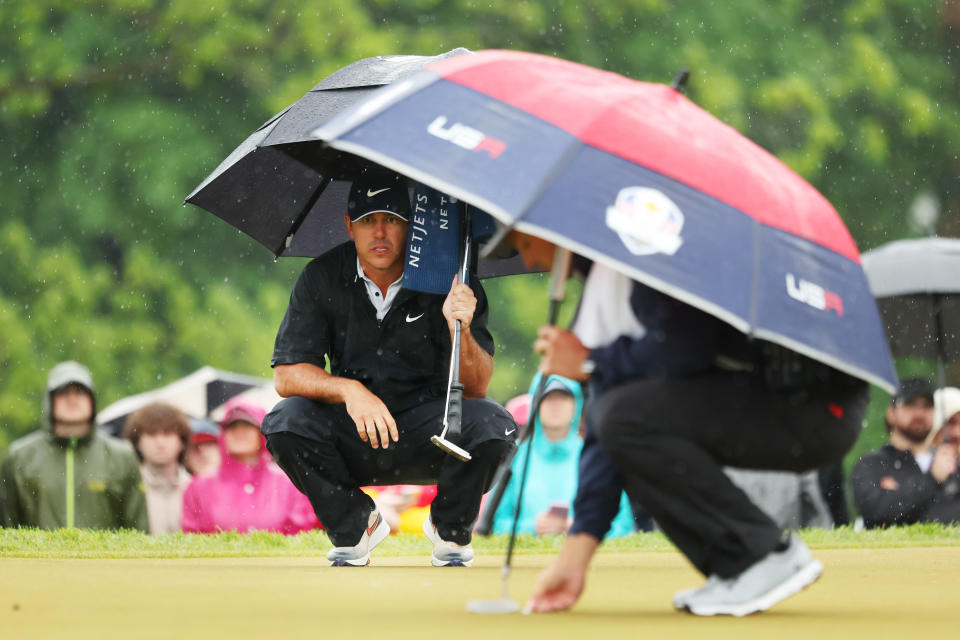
<point x="403" y="360"/>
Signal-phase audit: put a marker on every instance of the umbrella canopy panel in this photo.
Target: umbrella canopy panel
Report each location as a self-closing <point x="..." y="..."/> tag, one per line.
<point x="636" y="176"/>
<point x="923" y="265"/>
<point x="266" y="190"/>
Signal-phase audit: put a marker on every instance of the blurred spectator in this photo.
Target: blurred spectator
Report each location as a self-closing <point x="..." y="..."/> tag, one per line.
<point x="203" y="451"/>
<point x="908" y="481"/>
<point x="248" y="491"/>
<point x="946" y="405"/>
<point x="159" y="433"/>
<point x="404" y="506"/>
<point x="67" y="474"/>
<point x="552" y="478"/>
<point x="792" y="500"/>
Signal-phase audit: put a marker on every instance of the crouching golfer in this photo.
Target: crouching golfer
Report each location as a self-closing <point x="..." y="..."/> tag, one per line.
<point x="677" y="394"/>
<point x="369" y="421"/>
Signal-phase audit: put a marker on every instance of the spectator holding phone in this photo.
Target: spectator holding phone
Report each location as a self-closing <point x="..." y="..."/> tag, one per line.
<point x="552" y="479"/>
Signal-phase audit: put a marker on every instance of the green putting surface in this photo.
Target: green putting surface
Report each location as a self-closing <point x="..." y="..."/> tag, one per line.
<point x="887" y="592"/>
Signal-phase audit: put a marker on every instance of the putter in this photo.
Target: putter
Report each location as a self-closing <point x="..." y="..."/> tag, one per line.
<point x="558" y="282"/>
<point x="453" y="409"/>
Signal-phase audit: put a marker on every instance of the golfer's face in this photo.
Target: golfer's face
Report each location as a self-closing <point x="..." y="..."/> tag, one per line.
<point x="535" y="253"/>
<point x="380" y="239"/>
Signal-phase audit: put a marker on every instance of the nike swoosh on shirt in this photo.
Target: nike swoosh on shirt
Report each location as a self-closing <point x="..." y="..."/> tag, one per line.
<point x="508" y="432"/>
<point x="370" y="193"/>
<point x="414" y="319"/>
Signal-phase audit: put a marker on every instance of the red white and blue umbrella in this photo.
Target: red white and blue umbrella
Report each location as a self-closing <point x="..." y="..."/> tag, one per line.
<point x="636" y="176"/>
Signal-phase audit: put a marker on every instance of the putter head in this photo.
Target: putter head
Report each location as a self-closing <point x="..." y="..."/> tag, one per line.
<point x="451" y="448"/>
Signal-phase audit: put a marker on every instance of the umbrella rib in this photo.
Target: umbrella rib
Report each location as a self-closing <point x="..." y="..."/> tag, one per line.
<point x="285" y="243"/>
<point x="755" y="279"/>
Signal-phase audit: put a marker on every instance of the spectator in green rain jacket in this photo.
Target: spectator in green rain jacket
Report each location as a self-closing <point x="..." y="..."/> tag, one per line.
<point x="67" y="474"/>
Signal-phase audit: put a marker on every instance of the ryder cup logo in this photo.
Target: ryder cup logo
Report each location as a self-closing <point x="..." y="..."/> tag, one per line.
<point x="647" y="221"/>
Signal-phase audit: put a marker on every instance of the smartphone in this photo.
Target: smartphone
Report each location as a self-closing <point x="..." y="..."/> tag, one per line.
<point x="559" y="509"/>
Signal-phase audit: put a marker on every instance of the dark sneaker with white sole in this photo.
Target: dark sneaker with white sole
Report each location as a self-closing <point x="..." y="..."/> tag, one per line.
<point x="776" y="577"/>
<point x="446" y="554"/>
<point x="359" y="554"/>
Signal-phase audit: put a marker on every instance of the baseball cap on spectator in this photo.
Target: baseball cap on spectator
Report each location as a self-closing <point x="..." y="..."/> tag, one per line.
<point x="379" y="191"/>
<point x="911" y="389"/>
<point x="556" y="385"/>
<point x="946" y="403"/>
<point x="243" y="412"/>
<point x="203" y="430"/>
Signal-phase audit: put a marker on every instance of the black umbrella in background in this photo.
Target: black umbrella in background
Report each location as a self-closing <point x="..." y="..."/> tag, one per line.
<point x="917" y="286"/>
<point x="199" y="395"/>
<point x="284" y="190"/>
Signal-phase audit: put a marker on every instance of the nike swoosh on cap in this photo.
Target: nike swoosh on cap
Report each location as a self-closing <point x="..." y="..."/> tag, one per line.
<point x="414" y="319"/>
<point x="370" y="193"/>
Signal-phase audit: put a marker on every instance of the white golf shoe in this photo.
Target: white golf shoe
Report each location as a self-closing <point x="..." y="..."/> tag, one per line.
<point x="776" y="577"/>
<point x="359" y="554"/>
<point x="446" y="554"/>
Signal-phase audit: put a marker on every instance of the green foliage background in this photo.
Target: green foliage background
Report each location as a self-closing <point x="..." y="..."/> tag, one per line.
<point x="112" y="111"/>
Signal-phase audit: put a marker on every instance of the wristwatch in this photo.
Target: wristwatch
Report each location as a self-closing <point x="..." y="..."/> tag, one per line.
<point x="587" y="367"/>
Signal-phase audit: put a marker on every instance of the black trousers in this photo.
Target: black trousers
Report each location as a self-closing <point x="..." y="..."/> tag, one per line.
<point x="317" y="445"/>
<point x="669" y="438"/>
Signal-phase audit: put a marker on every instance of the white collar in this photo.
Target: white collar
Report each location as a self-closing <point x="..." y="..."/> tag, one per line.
<point x="381" y="303"/>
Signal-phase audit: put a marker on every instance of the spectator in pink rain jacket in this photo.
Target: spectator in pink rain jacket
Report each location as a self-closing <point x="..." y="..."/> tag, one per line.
<point x="249" y="492"/>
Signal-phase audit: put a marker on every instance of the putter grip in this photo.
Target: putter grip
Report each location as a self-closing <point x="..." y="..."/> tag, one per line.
<point x="455" y="412"/>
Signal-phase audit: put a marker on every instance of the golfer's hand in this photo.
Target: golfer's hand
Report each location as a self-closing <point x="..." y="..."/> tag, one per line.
<point x="944" y="462"/>
<point x="459" y="305"/>
<point x="558" y="588"/>
<point x="562" y="353"/>
<point x="371" y="417"/>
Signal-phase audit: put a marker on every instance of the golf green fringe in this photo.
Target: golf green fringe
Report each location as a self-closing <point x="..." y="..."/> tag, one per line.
<point x="89" y="543"/>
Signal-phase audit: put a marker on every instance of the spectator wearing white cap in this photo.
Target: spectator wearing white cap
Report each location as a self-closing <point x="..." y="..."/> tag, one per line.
<point x="946" y="412"/>
<point x="907" y="480"/>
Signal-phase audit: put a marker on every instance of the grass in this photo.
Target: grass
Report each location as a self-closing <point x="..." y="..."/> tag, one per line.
<point x="88" y="543"/>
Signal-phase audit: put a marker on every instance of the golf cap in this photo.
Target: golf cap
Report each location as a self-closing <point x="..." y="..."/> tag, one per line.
<point x="376" y="192"/>
<point x="243" y="413"/>
<point x="556" y="385"/>
<point x="912" y="388"/>
<point x="202" y="430"/>
<point x="947" y="403"/>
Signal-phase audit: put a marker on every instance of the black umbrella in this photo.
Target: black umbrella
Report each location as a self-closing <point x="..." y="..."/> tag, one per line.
<point x="284" y="190"/>
<point x="917" y="286"/>
<point x="198" y="395"/>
